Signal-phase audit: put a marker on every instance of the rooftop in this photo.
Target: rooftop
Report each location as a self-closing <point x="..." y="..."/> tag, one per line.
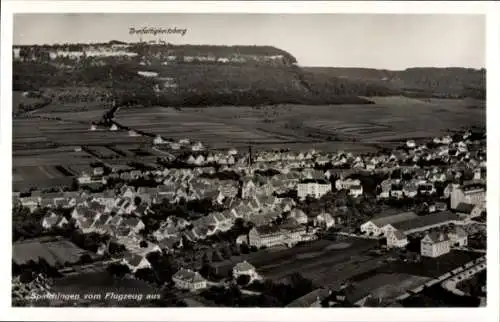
<point x="393" y="218"/>
<point x="428" y="220"/>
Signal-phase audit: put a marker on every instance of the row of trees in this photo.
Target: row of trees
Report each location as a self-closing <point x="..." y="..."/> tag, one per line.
<point x="271" y="294"/>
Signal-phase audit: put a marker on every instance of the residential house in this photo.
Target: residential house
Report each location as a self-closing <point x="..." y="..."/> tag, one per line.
<point x="426" y="189"/>
<point x="53" y="220"/>
<point x="168" y="244"/>
<point x="287" y="204"/>
<point x="385" y="189"/>
<point x="396" y="190"/>
<point x="313" y="188"/>
<point x="136" y="262"/>
<point x="325" y="220"/>
<point x="127" y="192"/>
<point x="346" y="184"/>
<point x="441" y="206"/>
<point x="434" y="245"/>
<point x="410" y="190"/>
<point x="356" y="191"/>
<point x="464" y="209"/>
<point x="125" y="205"/>
<point x="135" y="224"/>
<point x="83" y="212"/>
<point x="115" y="221"/>
<point x="299" y="216"/>
<point x="189" y="280"/>
<point x="165" y="232"/>
<point x="397" y="239"/>
<point x="458" y="237"/>
<point x="30" y="202"/>
<point x="245" y="268"/>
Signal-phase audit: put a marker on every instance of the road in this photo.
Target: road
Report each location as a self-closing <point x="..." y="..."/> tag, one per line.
<point x="451" y="283"/>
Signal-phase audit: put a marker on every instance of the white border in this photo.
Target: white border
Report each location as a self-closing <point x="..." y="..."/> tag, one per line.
<point x="227" y="314"/>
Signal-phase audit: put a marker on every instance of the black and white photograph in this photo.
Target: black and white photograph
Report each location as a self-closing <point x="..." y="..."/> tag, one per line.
<point x="249" y="160"/>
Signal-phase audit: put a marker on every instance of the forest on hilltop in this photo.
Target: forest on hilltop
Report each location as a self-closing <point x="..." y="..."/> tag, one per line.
<point x="250" y="83"/>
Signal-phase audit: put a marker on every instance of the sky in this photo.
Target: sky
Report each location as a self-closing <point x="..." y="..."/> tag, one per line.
<point x="388" y="41"/>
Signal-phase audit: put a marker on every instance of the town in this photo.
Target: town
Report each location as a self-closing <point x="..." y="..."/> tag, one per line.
<point x="247" y="227"/>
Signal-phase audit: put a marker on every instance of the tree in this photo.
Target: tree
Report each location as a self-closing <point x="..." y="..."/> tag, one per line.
<point x="118" y="270"/>
<point x="243" y="280"/>
<point x="226" y="252"/>
<point x="244" y="249"/>
<point x="143" y="244"/>
<point x="85" y="259"/>
<point x="115" y="248"/>
<point x="146" y="274"/>
<point x="207" y="257"/>
<point x="26" y="276"/>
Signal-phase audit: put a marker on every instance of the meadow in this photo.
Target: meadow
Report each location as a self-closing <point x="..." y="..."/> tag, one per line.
<point x="328" y="127"/>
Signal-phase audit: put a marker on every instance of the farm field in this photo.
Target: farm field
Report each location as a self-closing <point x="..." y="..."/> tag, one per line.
<point x="318" y="261"/>
<point x="391" y="119"/>
<point x="37" y="172"/>
<point x="65" y="112"/>
<point x="50" y="157"/>
<point x="65" y="133"/>
<point x="46" y="168"/>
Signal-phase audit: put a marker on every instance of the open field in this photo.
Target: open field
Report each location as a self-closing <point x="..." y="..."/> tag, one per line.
<point x="68" y="111"/>
<point x="57" y="252"/>
<point x="318" y="261"/>
<point x="390" y="119"/>
<point x="386" y="286"/>
<point x="66" y="133"/>
<point x="38" y="172"/>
